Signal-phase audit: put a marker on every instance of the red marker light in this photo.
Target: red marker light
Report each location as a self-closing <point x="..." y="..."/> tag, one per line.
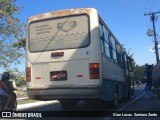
<point x="79" y="76"/>
<point x="38" y="78"/>
<point x="57" y="54"/>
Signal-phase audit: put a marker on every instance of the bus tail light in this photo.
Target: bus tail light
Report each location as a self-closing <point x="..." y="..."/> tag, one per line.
<point x="94" y="71"/>
<point x="28" y="74"/>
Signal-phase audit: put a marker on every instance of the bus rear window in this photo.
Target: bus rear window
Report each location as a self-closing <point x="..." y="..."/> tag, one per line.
<point x="59" y="33"/>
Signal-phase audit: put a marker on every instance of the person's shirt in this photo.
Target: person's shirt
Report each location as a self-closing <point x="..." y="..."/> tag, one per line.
<point x="7" y="84"/>
<point x="149" y="73"/>
<point x="1" y="85"/>
<point x="1" y="82"/>
<point x="149" y="77"/>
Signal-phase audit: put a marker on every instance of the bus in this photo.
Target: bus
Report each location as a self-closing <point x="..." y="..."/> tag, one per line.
<point x="72" y="55"/>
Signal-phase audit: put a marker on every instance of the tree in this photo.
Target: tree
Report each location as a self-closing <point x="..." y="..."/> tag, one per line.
<point x="139" y="72"/>
<point x="17" y="75"/>
<point x="11" y="31"/>
<point x="20" y="44"/>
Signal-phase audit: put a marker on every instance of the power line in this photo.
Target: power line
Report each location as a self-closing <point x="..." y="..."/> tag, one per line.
<point x="146" y="5"/>
<point x="153" y="3"/>
<point x="147" y="22"/>
<point x="145" y="10"/>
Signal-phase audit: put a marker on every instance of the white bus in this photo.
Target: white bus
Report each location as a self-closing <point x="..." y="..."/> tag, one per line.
<point x="72" y="55"/>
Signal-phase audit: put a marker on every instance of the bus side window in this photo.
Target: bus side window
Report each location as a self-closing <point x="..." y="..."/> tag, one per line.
<point x="125" y="61"/>
<point x="101" y="37"/>
<point x="110" y="46"/>
<point x="119" y="54"/>
<point x="130" y="64"/>
<point x="113" y="48"/>
<point x="101" y="30"/>
<point x="106" y="42"/>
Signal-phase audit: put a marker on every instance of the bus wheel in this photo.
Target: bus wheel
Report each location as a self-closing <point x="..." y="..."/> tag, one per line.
<point x="68" y="104"/>
<point x="115" y="99"/>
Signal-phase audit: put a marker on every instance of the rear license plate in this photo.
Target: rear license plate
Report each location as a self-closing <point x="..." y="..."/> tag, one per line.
<point x="58" y="75"/>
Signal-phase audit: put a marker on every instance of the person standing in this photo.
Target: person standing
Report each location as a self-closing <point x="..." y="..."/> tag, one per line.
<point x="9" y="86"/>
<point x="3" y="92"/>
<point x="148" y="87"/>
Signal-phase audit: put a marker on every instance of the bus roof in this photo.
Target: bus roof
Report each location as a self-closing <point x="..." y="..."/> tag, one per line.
<point x="60" y="13"/>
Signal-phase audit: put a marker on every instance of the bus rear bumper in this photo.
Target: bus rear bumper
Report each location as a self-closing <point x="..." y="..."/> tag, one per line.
<point x="61" y="93"/>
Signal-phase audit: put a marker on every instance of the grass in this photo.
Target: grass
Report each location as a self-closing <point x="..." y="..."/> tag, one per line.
<point x="19" y="102"/>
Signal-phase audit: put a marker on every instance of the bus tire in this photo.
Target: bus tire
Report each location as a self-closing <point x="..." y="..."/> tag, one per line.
<point x="68" y="104"/>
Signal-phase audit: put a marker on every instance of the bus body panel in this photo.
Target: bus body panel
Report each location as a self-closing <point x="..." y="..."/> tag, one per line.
<point x="76" y="73"/>
<point x="112" y="71"/>
<point x="113" y="75"/>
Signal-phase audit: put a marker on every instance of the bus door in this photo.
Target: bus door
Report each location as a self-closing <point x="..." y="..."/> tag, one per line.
<point x="128" y="75"/>
<point x="131" y="75"/>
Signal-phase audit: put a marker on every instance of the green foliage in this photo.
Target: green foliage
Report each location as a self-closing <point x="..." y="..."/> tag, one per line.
<point x="11" y="31"/>
<point x="21" y="43"/>
<point x="16" y="75"/>
<point x="26" y="101"/>
<point x="139" y="72"/>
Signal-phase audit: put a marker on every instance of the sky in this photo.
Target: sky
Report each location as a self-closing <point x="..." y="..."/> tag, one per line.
<point x="125" y="18"/>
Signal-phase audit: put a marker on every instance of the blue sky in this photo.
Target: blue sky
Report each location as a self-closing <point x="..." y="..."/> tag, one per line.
<point x="125" y="18"/>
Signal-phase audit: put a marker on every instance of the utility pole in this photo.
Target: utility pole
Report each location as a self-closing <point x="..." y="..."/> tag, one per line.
<point x="155" y="37"/>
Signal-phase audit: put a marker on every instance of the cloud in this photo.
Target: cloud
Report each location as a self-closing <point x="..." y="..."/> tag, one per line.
<point x="152" y="49"/>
